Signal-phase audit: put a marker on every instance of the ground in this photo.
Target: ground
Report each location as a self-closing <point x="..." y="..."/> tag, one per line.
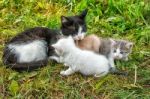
<point x="120" y="19"/>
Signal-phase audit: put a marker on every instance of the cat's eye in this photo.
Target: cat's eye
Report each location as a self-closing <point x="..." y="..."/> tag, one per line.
<point x="121" y="52"/>
<point x="114" y="51"/>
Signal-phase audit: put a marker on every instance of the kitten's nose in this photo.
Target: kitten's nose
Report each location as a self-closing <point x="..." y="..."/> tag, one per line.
<point x="117" y="57"/>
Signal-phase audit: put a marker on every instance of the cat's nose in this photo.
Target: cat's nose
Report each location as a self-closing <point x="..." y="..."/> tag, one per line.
<point x="117" y="57"/>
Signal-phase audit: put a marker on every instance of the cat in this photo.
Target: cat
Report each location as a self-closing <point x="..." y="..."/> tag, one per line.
<point x="31" y="48"/>
<point x="83" y="61"/>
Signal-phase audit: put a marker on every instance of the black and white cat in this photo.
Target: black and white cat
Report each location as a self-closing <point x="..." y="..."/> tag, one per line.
<point x="31" y="48"/>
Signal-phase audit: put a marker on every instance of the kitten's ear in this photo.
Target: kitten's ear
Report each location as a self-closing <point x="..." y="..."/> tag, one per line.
<point x="83" y="14"/>
<point x="129" y="45"/>
<point x="57" y="47"/>
<point x="54" y="46"/>
<point x="113" y="42"/>
<point x="64" y="19"/>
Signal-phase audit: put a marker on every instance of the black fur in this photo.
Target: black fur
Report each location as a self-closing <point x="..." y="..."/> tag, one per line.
<point x="69" y="26"/>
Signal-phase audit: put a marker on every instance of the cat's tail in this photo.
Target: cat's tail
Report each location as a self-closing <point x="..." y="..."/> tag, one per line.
<point x="27" y="66"/>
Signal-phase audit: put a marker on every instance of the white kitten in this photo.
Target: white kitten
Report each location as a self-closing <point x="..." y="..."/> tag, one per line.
<point x="85" y="62"/>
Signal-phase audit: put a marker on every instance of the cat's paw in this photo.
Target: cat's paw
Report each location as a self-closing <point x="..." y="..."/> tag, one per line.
<point x="68" y="72"/>
<point x="66" y="65"/>
<point x="63" y="73"/>
<point x="79" y="37"/>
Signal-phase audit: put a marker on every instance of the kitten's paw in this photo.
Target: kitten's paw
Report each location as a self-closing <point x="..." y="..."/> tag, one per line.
<point x="76" y="38"/>
<point x="66" y="65"/>
<point x="68" y="72"/>
<point x="81" y="37"/>
<point x="63" y="73"/>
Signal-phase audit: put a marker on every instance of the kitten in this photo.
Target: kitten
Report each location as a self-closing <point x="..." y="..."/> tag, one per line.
<point x="31" y="48"/>
<point x="122" y="49"/>
<point x="85" y="62"/>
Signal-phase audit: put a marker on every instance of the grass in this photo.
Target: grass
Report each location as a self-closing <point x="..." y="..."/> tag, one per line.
<point x="120" y="19"/>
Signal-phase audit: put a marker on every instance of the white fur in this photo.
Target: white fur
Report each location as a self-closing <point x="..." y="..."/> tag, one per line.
<point x="117" y="54"/>
<point x="80" y="35"/>
<point x="80" y="30"/>
<point x="28" y="52"/>
<point x="85" y="62"/>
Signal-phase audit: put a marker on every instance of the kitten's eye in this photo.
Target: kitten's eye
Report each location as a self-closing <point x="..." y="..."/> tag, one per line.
<point x="126" y="52"/>
<point x="114" y="51"/>
<point x="121" y="52"/>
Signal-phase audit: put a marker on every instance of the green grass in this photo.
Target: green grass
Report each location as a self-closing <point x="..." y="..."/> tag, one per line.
<point x="120" y="19"/>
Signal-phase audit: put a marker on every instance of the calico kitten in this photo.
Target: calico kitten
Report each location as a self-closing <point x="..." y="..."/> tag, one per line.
<point x="31" y="48"/>
<point x="85" y="62"/>
<point x="90" y="42"/>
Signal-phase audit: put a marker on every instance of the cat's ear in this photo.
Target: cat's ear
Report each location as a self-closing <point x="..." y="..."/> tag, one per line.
<point x="113" y="42"/>
<point x="57" y="47"/>
<point x="64" y="19"/>
<point x="129" y="45"/>
<point x="83" y="14"/>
